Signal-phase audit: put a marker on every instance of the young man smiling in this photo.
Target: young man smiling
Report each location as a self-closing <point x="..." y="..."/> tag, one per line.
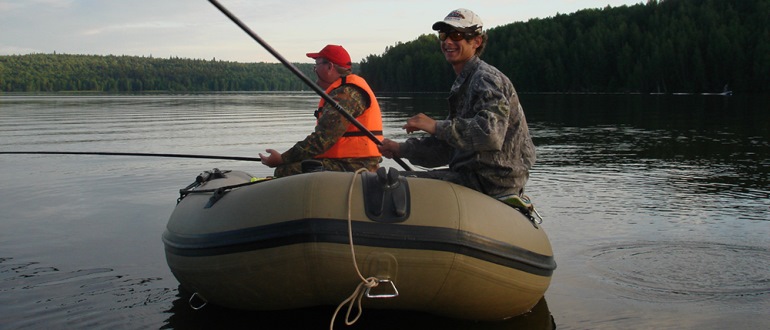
<point x="485" y="139"/>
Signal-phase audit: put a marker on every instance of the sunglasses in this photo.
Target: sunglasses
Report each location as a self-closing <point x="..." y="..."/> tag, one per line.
<point x="455" y="35"/>
<point x="320" y="63"/>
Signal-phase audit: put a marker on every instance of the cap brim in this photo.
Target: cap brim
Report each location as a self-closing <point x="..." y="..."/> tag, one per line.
<point x="443" y="25"/>
<point x="440" y="25"/>
<point x="313" y="55"/>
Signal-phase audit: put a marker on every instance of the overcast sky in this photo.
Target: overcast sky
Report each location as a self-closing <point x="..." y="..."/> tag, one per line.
<point x="196" y="29"/>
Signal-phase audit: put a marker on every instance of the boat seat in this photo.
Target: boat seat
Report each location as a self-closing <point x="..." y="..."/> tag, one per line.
<point x="312" y="165"/>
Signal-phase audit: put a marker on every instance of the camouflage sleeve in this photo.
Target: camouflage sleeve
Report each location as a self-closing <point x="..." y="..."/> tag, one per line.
<point x="427" y="151"/>
<point x="331" y="124"/>
<point x="482" y="126"/>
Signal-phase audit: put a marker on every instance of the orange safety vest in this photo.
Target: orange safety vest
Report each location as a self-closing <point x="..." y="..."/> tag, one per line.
<point x="354" y="143"/>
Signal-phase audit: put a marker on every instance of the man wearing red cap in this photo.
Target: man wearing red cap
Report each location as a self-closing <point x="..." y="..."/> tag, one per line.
<point x="336" y="143"/>
<point x="484" y="139"/>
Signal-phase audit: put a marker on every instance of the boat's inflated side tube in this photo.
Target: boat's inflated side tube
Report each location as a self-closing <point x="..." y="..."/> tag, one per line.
<point x="386" y="196"/>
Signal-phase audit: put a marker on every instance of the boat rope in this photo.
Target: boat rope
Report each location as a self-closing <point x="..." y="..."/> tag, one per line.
<point x="369" y="282"/>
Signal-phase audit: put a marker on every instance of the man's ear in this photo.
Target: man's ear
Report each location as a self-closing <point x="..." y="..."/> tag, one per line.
<point x="477" y="40"/>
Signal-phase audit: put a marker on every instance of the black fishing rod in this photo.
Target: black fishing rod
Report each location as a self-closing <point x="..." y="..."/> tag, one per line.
<point x="304" y="78"/>
<point x="248" y="159"/>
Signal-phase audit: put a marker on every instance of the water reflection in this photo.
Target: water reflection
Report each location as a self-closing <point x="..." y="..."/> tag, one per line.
<point x="656" y="154"/>
<point x="214" y="317"/>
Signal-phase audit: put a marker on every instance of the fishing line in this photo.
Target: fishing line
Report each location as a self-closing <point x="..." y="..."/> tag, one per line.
<point x="249" y="159"/>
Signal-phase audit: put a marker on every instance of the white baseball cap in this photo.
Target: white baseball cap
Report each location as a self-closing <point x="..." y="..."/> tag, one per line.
<point x="462" y="20"/>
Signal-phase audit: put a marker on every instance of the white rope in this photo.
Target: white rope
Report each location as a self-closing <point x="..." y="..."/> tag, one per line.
<point x="370" y="282"/>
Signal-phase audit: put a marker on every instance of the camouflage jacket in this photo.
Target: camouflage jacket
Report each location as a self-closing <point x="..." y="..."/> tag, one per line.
<point x="485" y="138"/>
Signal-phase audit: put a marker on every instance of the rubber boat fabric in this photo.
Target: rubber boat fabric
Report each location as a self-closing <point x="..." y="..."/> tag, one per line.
<point x="310" y="239"/>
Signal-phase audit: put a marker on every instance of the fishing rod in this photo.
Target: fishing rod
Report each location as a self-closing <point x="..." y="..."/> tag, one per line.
<point x="248" y="159"/>
<point x="304" y="78"/>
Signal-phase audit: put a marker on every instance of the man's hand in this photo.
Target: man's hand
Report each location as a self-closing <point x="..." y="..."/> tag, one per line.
<point x="273" y="158"/>
<point x="420" y="122"/>
<point x="389" y="148"/>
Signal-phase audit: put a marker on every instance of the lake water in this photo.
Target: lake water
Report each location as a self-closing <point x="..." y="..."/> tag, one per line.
<point x="657" y="207"/>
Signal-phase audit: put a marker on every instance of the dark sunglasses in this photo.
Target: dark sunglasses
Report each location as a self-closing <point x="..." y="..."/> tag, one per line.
<point x="455" y="35"/>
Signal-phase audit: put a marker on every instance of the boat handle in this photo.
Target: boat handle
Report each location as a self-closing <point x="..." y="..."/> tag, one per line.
<point x="200" y="298"/>
<point x="382" y="295"/>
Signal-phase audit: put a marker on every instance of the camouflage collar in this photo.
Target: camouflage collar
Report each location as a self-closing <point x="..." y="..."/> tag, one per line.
<point x="470" y="67"/>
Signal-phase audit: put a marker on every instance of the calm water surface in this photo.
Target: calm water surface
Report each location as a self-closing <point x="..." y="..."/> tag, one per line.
<point x="658" y="208"/>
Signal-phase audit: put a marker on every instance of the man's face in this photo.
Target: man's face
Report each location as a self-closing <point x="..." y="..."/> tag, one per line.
<point x="458" y="51"/>
<point x="325" y="72"/>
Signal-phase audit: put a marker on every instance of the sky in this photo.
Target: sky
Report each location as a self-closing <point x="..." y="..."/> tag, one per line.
<point x="196" y="29"/>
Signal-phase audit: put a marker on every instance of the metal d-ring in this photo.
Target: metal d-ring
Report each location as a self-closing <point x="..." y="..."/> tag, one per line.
<point x="383" y="295"/>
<point x="198" y="307"/>
<point x="539" y="217"/>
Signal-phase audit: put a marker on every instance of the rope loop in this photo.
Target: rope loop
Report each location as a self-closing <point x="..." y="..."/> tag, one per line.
<point x="354" y="300"/>
<point x="370" y="282"/>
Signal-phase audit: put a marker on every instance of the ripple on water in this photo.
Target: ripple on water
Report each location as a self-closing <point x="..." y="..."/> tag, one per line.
<point x="35" y="296"/>
<point x="683" y="271"/>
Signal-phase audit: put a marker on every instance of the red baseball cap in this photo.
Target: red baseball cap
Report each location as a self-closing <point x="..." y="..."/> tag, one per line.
<point x="335" y="54"/>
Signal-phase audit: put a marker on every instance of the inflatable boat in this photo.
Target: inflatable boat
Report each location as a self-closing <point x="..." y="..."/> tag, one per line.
<point x="311" y="239"/>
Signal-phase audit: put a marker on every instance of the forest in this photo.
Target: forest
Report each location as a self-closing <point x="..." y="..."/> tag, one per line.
<point x="658" y="47"/>
<point x="79" y="73"/>
<point x="661" y="46"/>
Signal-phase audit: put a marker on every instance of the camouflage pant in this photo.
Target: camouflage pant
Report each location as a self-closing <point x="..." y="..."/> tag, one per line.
<point x="331" y="164"/>
<point x="467" y="179"/>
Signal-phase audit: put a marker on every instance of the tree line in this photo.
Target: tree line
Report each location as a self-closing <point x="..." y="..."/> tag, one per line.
<point x="65" y="72"/>
<point x="660" y="46"/>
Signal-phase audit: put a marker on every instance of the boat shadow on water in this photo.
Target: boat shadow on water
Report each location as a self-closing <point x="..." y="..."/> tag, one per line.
<point x="214" y="317"/>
